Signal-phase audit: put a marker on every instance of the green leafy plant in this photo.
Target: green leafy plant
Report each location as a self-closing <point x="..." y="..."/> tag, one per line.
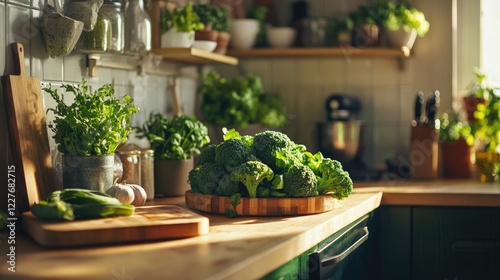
<point x="363" y="15"/>
<point x="183" y="20"/>
<point x="452" y="128"/>
<point x="239" y="102"/>
<point x="487" y="126"/>
<point x="173" y="139"/>
<point x="94" y="124"/>
<point x="213" y="17"/>
<point x="400" y="14"/>
<point x="478" y="87"/>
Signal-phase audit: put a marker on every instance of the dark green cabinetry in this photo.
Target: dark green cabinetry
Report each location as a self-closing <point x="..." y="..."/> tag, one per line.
<point x="363" y="263"/>
<point x="440" y="243"/>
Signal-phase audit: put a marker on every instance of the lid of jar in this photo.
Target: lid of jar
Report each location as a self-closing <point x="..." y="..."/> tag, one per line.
<point x="116" y="3"/>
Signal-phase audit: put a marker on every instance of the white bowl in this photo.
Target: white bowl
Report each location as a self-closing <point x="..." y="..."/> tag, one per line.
<point x="205" y="45"/>
<point x="280" y="37"/>
<point x="243" y="33"/>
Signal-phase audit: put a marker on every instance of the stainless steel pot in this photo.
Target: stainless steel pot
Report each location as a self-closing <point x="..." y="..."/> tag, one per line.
<point x="341" y="140"/>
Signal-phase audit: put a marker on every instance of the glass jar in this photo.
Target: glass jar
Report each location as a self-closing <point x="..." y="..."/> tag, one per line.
<point x="137" y="28"/>
<point x="147" y="172"/>
<point x="131" y="161"/>
<point x="99" y="38"/>
<point x="112" y="9"/>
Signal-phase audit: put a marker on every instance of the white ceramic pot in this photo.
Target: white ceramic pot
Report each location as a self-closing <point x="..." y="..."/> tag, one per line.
<point x="175" y="39"/>
<point x="401" y="38"/>
<point x="280" y="37"/>
<point x="243" y="33"/>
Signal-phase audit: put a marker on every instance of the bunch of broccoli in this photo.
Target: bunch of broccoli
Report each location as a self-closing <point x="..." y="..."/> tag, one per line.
<point x="268" y="164"/>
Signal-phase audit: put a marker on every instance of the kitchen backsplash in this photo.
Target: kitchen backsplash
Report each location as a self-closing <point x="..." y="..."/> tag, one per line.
<point x="386" y="91"/>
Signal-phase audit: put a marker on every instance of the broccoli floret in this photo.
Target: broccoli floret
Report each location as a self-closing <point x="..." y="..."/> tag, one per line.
<point x="227" y="187"/>
<point x="231" y="153"/>
<point x="207" y="154"/>
<point x="193" y="179"/>
<point x="262" y="192"/>
<point x="334" y="179"/>
<point x="209" y="176"/>
<point x="250" y="174"/>
<point x="300" y="181"/>
<point x="269" y="145"/>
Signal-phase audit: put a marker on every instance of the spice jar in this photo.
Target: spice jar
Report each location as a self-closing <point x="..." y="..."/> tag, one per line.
<point x="147" y="172"/>
<point x="98" y="39"/>
<point x="137" y="28"/>
<point x="131" y="161"/>
<point x="112" y="9"/>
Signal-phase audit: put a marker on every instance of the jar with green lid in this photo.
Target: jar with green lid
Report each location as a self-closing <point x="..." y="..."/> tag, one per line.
<point x="99" y="38"/>
<point x="112" y="9"/>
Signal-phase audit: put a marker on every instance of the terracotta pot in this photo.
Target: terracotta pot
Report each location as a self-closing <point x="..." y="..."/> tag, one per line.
<point x="470" y="105"/>
<point x="171" y="177"/>
<point x="456" y="159"/>
<point x="206" y="35"/>
<point x="222" y="42"/>
<point x="366" y="35"/>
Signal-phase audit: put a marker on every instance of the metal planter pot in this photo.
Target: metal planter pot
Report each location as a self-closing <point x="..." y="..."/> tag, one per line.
<point x="92" y="172"/>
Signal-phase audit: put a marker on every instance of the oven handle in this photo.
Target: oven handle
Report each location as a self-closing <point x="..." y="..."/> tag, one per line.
<point x="338" y="258"/>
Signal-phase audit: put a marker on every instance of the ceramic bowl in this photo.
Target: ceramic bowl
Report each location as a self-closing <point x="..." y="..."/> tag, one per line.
<point x="244" y="33"/>
<point x="208" y="46"/>
<point x="280" y="37"/>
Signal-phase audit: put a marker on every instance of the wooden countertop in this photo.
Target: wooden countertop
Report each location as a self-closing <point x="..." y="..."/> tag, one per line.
<point x="468" y="193"/>
<point x="240" y="248"/>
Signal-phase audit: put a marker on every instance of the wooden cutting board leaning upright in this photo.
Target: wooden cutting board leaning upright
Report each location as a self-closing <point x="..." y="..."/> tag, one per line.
<point x="28" y="133"/>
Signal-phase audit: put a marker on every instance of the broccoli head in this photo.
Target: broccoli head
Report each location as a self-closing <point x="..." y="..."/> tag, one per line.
<point x="208" y="177"/>
<point x="231" y="153"/>
<point x="207" y="154"/>
<point x="334" y="179"/>
<point x="226" y="186"/>
<point x="193" y="179"/>
<point x="268" y="145"/>
<point x="300" y="181"/>
<point x="250" y="174"/>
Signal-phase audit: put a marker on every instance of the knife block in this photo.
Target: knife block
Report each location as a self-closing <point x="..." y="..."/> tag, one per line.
<point x="423" y="156"/>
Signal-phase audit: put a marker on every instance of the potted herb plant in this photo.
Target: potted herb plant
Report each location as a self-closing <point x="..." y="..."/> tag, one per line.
<point x="207" y="14"/>
<point x="402" y="22"/>
<point x="486" y="130"/>
<point x="455" y="140"/>
<point x="88" y="132"/>
<point x="178" y="27"/>
<point x="476" y="92"/>
<point x="365" y="32"/>
<point x="238" y="103"/>
<point x="175" y="142"/>
<point x="339" y="31"/>
<point x="221" y="24"/>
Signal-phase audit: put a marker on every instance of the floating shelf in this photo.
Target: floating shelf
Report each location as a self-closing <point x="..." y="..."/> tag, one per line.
<point x="194" y="56"/>
<point x="321" y="52"/>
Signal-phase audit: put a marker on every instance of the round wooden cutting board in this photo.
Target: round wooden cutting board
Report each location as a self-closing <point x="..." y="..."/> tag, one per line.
<point x="262" y="206"/>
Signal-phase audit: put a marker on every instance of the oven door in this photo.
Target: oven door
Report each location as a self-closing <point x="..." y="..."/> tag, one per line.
<point x="336" y="257"/>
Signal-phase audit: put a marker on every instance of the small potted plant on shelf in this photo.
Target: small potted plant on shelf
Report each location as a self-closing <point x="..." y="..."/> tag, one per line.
<point x="222" y="26"/>
<point x="402" y="22"/>
<point x="455" y="139"/>
<point x="339" y="31"/>
<point x="365" y="32"/>
<point x="208" y="16"/>
<point x="486" y="131"/>
<point x="476" y="92"/>
<point x="239" y="103"/>
<point x="178" y="27"/>
<point x="175" y="142"/>
<point x="88" y="132"/>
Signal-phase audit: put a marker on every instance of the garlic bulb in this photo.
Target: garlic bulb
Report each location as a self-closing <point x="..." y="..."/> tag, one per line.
<point x="122" y="192"/>
<point x="139" y="195"/>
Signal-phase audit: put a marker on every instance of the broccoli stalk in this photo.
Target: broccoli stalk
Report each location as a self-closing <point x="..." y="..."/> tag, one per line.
<point x="334" y="179"/>
<point x="250" y="174"/>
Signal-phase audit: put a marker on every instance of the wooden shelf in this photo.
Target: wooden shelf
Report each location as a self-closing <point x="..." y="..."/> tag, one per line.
<point x="321" y="52"/>
<point x="194" y="56"/>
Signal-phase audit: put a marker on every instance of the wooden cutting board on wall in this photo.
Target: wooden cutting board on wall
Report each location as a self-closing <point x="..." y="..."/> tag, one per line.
<point x="28" y="133"/>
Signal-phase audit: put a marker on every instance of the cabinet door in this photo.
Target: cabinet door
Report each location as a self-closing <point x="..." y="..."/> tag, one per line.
<point x="456" y="243"/>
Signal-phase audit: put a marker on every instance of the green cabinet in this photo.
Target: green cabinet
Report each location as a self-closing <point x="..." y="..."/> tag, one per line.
<point x="440" y="243"/>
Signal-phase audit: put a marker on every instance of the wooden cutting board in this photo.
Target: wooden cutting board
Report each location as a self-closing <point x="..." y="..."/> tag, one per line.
<point x="155" y="222"/>
<point x="262" y="206"/>
<point x="28" y="131"/>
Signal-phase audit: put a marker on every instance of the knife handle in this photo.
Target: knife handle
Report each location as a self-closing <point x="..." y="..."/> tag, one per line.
<point x="419" y="102"/>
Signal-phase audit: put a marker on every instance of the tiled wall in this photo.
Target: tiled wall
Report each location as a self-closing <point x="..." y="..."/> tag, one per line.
<point x="386" y="91"/>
